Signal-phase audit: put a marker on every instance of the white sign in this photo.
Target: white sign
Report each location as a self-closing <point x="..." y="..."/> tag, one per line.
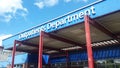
<point x="59" y="23"/>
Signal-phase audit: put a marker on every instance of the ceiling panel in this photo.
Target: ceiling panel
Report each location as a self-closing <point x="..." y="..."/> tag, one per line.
<point x="111" y="22"/>
<point x="56" y="44"/>
<point x="76" y="33"/>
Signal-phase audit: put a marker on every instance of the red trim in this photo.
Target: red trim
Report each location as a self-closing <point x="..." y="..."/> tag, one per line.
<point x="88" y="43"/>
<point x="13" y="54"/>
<point x="40" y="49"/>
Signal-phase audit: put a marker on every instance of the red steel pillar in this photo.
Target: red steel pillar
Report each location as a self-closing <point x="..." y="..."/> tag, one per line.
<point x="40" y="49"/>
<point x="13" y="54"/>
<point x="88" y="43"/>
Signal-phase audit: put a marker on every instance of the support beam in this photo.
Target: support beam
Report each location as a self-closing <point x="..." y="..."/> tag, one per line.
<point x="101" y="28"/>
<point x="40" y="49"/>
<point x="28" y="51"/>
<point x="118" y="35"/>
<point x="13" y="53"/>
<point x="63" y="39"/>
<point x="88" y="43"/>
<point x="104" y="30"/>
<point x="28" y="44"/>
<point x="34" y="45"/>
<point x="51" y="48"/>
<point x="57" y="55"/>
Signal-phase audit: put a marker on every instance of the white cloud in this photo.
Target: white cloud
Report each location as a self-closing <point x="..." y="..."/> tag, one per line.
<point x="46" y="3"/>
<point x="9" y="9"/>
<point x="67" y="1"/>
<point x="85" y="0"/>
<point x="3" y="37"/>
<point x="39" y="4"/>
<point x="49" y="3"/>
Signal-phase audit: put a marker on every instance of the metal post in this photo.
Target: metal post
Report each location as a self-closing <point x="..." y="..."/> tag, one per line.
<point x="40" y="49"/>
<point x="88" y="43"/>
<point x="13" y="54"/>
<point x="67" y="59"/>
<point x="49" y="64"/>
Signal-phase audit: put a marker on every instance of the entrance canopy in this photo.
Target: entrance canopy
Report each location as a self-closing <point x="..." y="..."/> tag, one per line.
<point x="104" y="32"/>
<point x="67" y="32"/>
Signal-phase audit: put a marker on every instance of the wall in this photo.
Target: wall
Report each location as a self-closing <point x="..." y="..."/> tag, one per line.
<point x="106" y="52"/>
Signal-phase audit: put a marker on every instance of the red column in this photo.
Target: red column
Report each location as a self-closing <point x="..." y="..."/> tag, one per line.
<point x="13" y="54"/>
<point x="40" y="49"/>
<point x="88" y="43"/>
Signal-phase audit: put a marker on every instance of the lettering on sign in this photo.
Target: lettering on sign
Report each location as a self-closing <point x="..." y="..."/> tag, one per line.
<point x="59" y="23"/>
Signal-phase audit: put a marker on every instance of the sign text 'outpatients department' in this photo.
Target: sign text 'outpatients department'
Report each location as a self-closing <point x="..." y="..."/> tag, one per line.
<point x="59" y="23"/>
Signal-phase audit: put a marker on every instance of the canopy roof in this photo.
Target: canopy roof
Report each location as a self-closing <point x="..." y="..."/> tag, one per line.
<point x="105" y="31"/>
<point x="67" y="31"/>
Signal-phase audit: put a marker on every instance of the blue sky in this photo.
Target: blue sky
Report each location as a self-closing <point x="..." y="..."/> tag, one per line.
<point x="19" y="15"/>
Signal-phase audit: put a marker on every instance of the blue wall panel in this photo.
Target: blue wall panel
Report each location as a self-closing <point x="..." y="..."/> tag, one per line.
<point x="109" y="52"/>
<point x="58" y="60"/>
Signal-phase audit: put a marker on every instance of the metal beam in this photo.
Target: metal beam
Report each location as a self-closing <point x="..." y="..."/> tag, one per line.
<point x="63" y="39"/>
<point x="34" y="45"/>
<point x="28" y="51"/>
<point x="57" y="55"/>
<point x="51" y="48"/>
<point x="28" y="44"/>
<point x="118" y="35"/>
<point x="102" y="28"/>
<point x="88" y="43"/>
